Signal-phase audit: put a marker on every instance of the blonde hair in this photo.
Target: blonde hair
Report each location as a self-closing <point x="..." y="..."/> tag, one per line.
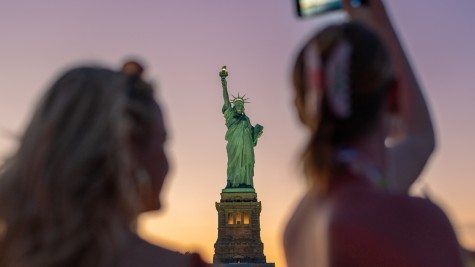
<point x="66" y="196"/>
<point x="371" y="75"/>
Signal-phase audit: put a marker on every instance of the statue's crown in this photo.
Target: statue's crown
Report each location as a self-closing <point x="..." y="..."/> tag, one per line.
<point x="241" y="99"/>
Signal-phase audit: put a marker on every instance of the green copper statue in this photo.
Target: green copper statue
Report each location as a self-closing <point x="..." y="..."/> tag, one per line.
<point x="241" y="137"/>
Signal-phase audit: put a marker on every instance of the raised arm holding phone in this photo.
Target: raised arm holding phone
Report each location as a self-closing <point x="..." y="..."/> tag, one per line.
<point x="413" y="144"/>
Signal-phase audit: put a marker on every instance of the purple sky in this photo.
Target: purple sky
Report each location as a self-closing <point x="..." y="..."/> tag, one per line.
<point x="184" y="44"/>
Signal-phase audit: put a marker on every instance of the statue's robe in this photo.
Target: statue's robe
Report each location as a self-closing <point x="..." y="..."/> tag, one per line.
<point x="240" y="148"/>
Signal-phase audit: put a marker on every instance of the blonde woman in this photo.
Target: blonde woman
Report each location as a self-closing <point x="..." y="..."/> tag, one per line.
<point x="351" y="81"/>
<point x="90" y="161"/>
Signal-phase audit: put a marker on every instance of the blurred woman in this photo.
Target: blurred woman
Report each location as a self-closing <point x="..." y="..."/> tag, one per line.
<point x="371" y="136"/>
<point x="90" y="161"/>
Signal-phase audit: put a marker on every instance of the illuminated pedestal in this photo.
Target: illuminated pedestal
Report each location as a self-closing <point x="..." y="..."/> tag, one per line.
<point x="239" y="232"/>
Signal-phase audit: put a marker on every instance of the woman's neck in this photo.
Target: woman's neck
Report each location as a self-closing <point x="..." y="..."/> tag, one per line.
<point x="365" y="158"/>
<point x="372" y="148"/>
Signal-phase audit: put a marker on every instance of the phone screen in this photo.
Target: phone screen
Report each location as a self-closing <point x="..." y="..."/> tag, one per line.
<point x="309" y="8"/>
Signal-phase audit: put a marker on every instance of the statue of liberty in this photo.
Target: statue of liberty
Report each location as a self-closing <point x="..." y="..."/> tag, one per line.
<point x="241" y="137"/>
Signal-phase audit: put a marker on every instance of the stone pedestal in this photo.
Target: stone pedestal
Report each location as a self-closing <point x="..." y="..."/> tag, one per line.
<point x="239" y="233"/>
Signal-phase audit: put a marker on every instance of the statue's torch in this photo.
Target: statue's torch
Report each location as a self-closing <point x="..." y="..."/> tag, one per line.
<point x="223" y="73"/>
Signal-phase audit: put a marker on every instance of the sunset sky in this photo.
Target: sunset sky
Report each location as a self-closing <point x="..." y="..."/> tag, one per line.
<point x="184" y="44"/>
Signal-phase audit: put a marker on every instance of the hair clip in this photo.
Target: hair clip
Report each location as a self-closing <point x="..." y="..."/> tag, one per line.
<point x="337" y="77"/>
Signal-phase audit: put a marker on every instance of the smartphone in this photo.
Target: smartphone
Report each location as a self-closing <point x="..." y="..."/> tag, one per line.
<point x="310" y="8"/>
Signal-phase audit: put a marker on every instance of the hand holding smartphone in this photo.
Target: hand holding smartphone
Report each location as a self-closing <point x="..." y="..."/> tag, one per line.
<point x="310" y="8"/>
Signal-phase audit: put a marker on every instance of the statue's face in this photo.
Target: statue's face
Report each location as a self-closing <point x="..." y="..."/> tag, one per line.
<point x="239" y="106"/>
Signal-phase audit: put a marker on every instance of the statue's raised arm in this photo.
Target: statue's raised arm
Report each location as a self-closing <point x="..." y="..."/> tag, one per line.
<point x="223" y="74"/>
